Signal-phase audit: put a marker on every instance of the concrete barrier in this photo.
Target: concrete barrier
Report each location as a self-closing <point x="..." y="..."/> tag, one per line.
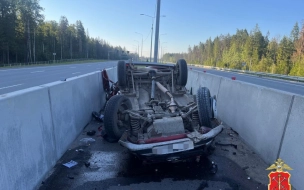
<point x="258" y="114"/>
<point x="270" y="121"/>
<point x="72" y="103"/>
<point x="38" y="125"/>
<point x="198" y="79"/>
<point x="27" y="140"/>
<point x="293" y="142"/>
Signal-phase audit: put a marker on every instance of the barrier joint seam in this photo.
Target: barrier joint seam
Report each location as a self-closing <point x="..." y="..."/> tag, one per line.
<point x="52" y="120"/>
<point x="285" y="125"/>
<point x="218" y="91"/>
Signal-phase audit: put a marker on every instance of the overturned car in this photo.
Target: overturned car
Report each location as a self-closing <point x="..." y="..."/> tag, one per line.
<point x="155" y="117"/>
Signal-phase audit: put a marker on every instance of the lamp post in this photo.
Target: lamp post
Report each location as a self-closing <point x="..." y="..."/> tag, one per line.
<point x="161" y="48"/>
<point x="138" y="46"/>
<point x="151" y="34"/>
<point x="160" y="44"/>
<point x="142" y="36"/>
<point x="156" y="31"/>
<point x="164" y="49"/>
<point x="135" y="47"/>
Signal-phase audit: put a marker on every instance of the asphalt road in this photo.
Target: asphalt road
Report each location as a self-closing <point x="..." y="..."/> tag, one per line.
<point x="288" y="86"/>
<point x="21" y="78"/>
<point x="109" y="166"/>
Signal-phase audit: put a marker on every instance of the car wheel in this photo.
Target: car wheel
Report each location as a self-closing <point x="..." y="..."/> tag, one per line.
<point x="121" y="74"/>
<point x="182" y="72"/>
<point x="115" y="120"/>
<point x="204" y="106"/>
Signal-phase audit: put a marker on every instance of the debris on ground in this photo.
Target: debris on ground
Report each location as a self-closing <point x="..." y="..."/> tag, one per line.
<point x="87" y="164"/>
<point x="213" y="169"/>
<point x="70" y="164"/>
<point x="229" y="144"/>
<point x="234" y="131"/>
<point x="91" y="133"/>
<point x="97" y="116"/>
<point x="70" y="177"/>
<point x="87" y="141"/>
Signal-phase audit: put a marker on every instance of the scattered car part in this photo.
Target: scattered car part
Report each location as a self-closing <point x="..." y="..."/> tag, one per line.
<point x="204" y="106"/>
<point x="91" y="133"/>
<point x="182" y="72"/>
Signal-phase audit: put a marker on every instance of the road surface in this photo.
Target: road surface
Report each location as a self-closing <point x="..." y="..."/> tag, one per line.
<point x="109" y="166"/>
<point x="288" y="86"/>
<point x="21" y="78"/>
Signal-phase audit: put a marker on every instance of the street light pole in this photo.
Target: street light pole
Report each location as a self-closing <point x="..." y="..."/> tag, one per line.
<point x="159" y="43"/>
<point x="138" y="46"/>
<point x="142" y="36"/>
<point x="151" y="34"/>
<point x="156" y="31"/>
<point x="161" y="47"/>
<point x="151" y="42"/>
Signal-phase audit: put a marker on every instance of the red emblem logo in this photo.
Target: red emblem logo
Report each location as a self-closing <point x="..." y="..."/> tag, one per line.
<point x="279" y="180"/>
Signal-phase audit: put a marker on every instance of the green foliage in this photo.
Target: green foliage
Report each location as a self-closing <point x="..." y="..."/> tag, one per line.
<point x="250" y="51"/>
<point x="25" y="36"/>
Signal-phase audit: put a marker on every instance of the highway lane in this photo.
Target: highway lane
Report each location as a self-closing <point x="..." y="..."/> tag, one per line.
<point x="288" y="86"/>
<point x="21" y="78"/>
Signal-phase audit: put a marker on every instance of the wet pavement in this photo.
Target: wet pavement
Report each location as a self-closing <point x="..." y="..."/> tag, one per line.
<point x="103" y="165"/>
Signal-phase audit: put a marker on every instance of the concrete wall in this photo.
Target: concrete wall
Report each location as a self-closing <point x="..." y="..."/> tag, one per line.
<point x="293" y="143"/>
<point x="72" y="103"/>
<point x="26" y="140"/>
<point x="38" y="125"/>
<point x="270" y="121"/>
<point x="258" y="114"/>
<point x="198" y="79"/>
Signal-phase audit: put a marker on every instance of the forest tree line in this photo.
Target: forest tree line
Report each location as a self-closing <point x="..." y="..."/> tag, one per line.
<point x="250" y="51"/>
<point x="25" y="36"/>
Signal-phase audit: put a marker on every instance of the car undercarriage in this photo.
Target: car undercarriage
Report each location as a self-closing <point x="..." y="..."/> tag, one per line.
<point x="155" y="117"/>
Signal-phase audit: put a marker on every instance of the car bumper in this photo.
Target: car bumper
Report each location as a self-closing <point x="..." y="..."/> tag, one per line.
<point x="199" y="141"/>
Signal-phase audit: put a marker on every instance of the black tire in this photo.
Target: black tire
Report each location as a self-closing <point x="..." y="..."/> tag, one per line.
<point x="121" y="74"/>
<point x="204" y="106"/>
<point x="182" y="72"/>
<point x="113" y="109"/>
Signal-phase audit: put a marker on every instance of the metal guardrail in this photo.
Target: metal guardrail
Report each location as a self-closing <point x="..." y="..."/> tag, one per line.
<point x="43" y="62"/>
<point x="260" y="74"/>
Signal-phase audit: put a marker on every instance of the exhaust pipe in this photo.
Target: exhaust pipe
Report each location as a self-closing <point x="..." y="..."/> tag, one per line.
<point x="172" y="105"/>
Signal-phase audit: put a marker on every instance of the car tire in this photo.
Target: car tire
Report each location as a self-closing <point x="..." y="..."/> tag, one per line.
<point x="113" y="109"/>
<point x="122" y="74"/>
<point x="182" y="72"/>
<point x="204" y="106"/>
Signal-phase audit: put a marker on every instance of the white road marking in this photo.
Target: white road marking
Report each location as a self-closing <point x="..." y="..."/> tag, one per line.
<point x="37" y="71"/>
<point x="10" y="86"/>
<point x="75" y="73"/>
